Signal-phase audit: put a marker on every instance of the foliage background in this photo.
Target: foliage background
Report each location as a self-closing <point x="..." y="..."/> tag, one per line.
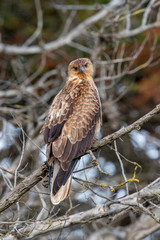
<point x="127" y="74"/>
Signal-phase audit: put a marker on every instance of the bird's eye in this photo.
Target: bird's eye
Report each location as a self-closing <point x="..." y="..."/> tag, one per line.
<point x="75" y="68"/>
<point x="86" y="65"/>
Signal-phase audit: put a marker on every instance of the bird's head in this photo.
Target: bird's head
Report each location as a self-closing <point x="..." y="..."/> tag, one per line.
<point x="81" y="67"/>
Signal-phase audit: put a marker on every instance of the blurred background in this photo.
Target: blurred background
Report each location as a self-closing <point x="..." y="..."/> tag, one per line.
<point x="38" y="39"/>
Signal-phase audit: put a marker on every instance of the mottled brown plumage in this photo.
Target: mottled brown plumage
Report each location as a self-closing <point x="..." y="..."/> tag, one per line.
<point x="71" y="124"/>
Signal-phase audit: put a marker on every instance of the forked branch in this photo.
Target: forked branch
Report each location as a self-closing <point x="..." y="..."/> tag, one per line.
<point x="37" y="176"/>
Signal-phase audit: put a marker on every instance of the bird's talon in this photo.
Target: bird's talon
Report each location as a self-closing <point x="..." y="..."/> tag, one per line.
<point x="45" y="182"/>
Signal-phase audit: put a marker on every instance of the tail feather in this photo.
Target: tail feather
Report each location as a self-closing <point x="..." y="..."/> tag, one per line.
<point x="61" y="182"/>
<point x="62" y="193"/>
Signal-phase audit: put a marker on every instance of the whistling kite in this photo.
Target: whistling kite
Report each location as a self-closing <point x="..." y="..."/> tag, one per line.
<point x="72" y="122"/>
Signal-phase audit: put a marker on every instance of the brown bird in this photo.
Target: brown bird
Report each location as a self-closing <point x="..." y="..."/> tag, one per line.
<point x="72" y="122"/>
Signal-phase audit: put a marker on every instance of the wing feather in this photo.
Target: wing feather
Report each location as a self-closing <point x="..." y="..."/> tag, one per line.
<point x="59" y="112"/>
<point x="67" y="150"/>
<point x="59" y="147"/>
<point x="71" y="124"/>
<point x="79" y="137"/>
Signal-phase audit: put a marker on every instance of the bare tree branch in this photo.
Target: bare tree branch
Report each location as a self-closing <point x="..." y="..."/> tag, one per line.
<point x="124" y="130"/>
<point x="39" y="24"/>
<point x="67" y="39"/>
<point x="37" y="176"/>
<point x="142" y="228"/>
<point x="112" y="210"/>
<point x="121" y="39"/>
<point x="23" y="187"/>
<point x="78" y="7"/>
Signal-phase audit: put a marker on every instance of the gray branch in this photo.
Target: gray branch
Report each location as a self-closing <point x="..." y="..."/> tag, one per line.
<point x="112" y="210"/>
<point x="37" y="176"/>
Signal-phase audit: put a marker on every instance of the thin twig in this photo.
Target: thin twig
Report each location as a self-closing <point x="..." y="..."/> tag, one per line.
<point x="38" y="30"/>
<point x="37" y="176"/>
<point x="122" y="168"/>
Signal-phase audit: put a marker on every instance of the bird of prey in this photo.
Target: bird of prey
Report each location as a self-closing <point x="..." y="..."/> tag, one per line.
<point x="72" y="123"/>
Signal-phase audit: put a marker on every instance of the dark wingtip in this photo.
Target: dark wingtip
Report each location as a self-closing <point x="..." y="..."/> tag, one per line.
<point x="63" y="176"/>
<point x="46" y="133"/>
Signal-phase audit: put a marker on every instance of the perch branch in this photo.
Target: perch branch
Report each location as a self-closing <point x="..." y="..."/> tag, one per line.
<point x="32" y="180"/>
<point x="112" y="210"/>
<point x="23" y="187"/>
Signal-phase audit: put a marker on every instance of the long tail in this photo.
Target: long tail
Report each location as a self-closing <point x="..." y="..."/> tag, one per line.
<point x="61" y="182"/>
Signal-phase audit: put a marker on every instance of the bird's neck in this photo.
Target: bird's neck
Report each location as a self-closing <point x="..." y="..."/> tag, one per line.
<point x="79" y="78"/>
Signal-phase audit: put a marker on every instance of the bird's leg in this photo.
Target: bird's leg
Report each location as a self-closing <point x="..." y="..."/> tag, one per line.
<point x="47" y="180"/>
<point x="50" y="176"/>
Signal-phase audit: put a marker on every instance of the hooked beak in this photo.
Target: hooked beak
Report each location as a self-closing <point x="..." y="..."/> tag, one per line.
<point x="82" y="69"/>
